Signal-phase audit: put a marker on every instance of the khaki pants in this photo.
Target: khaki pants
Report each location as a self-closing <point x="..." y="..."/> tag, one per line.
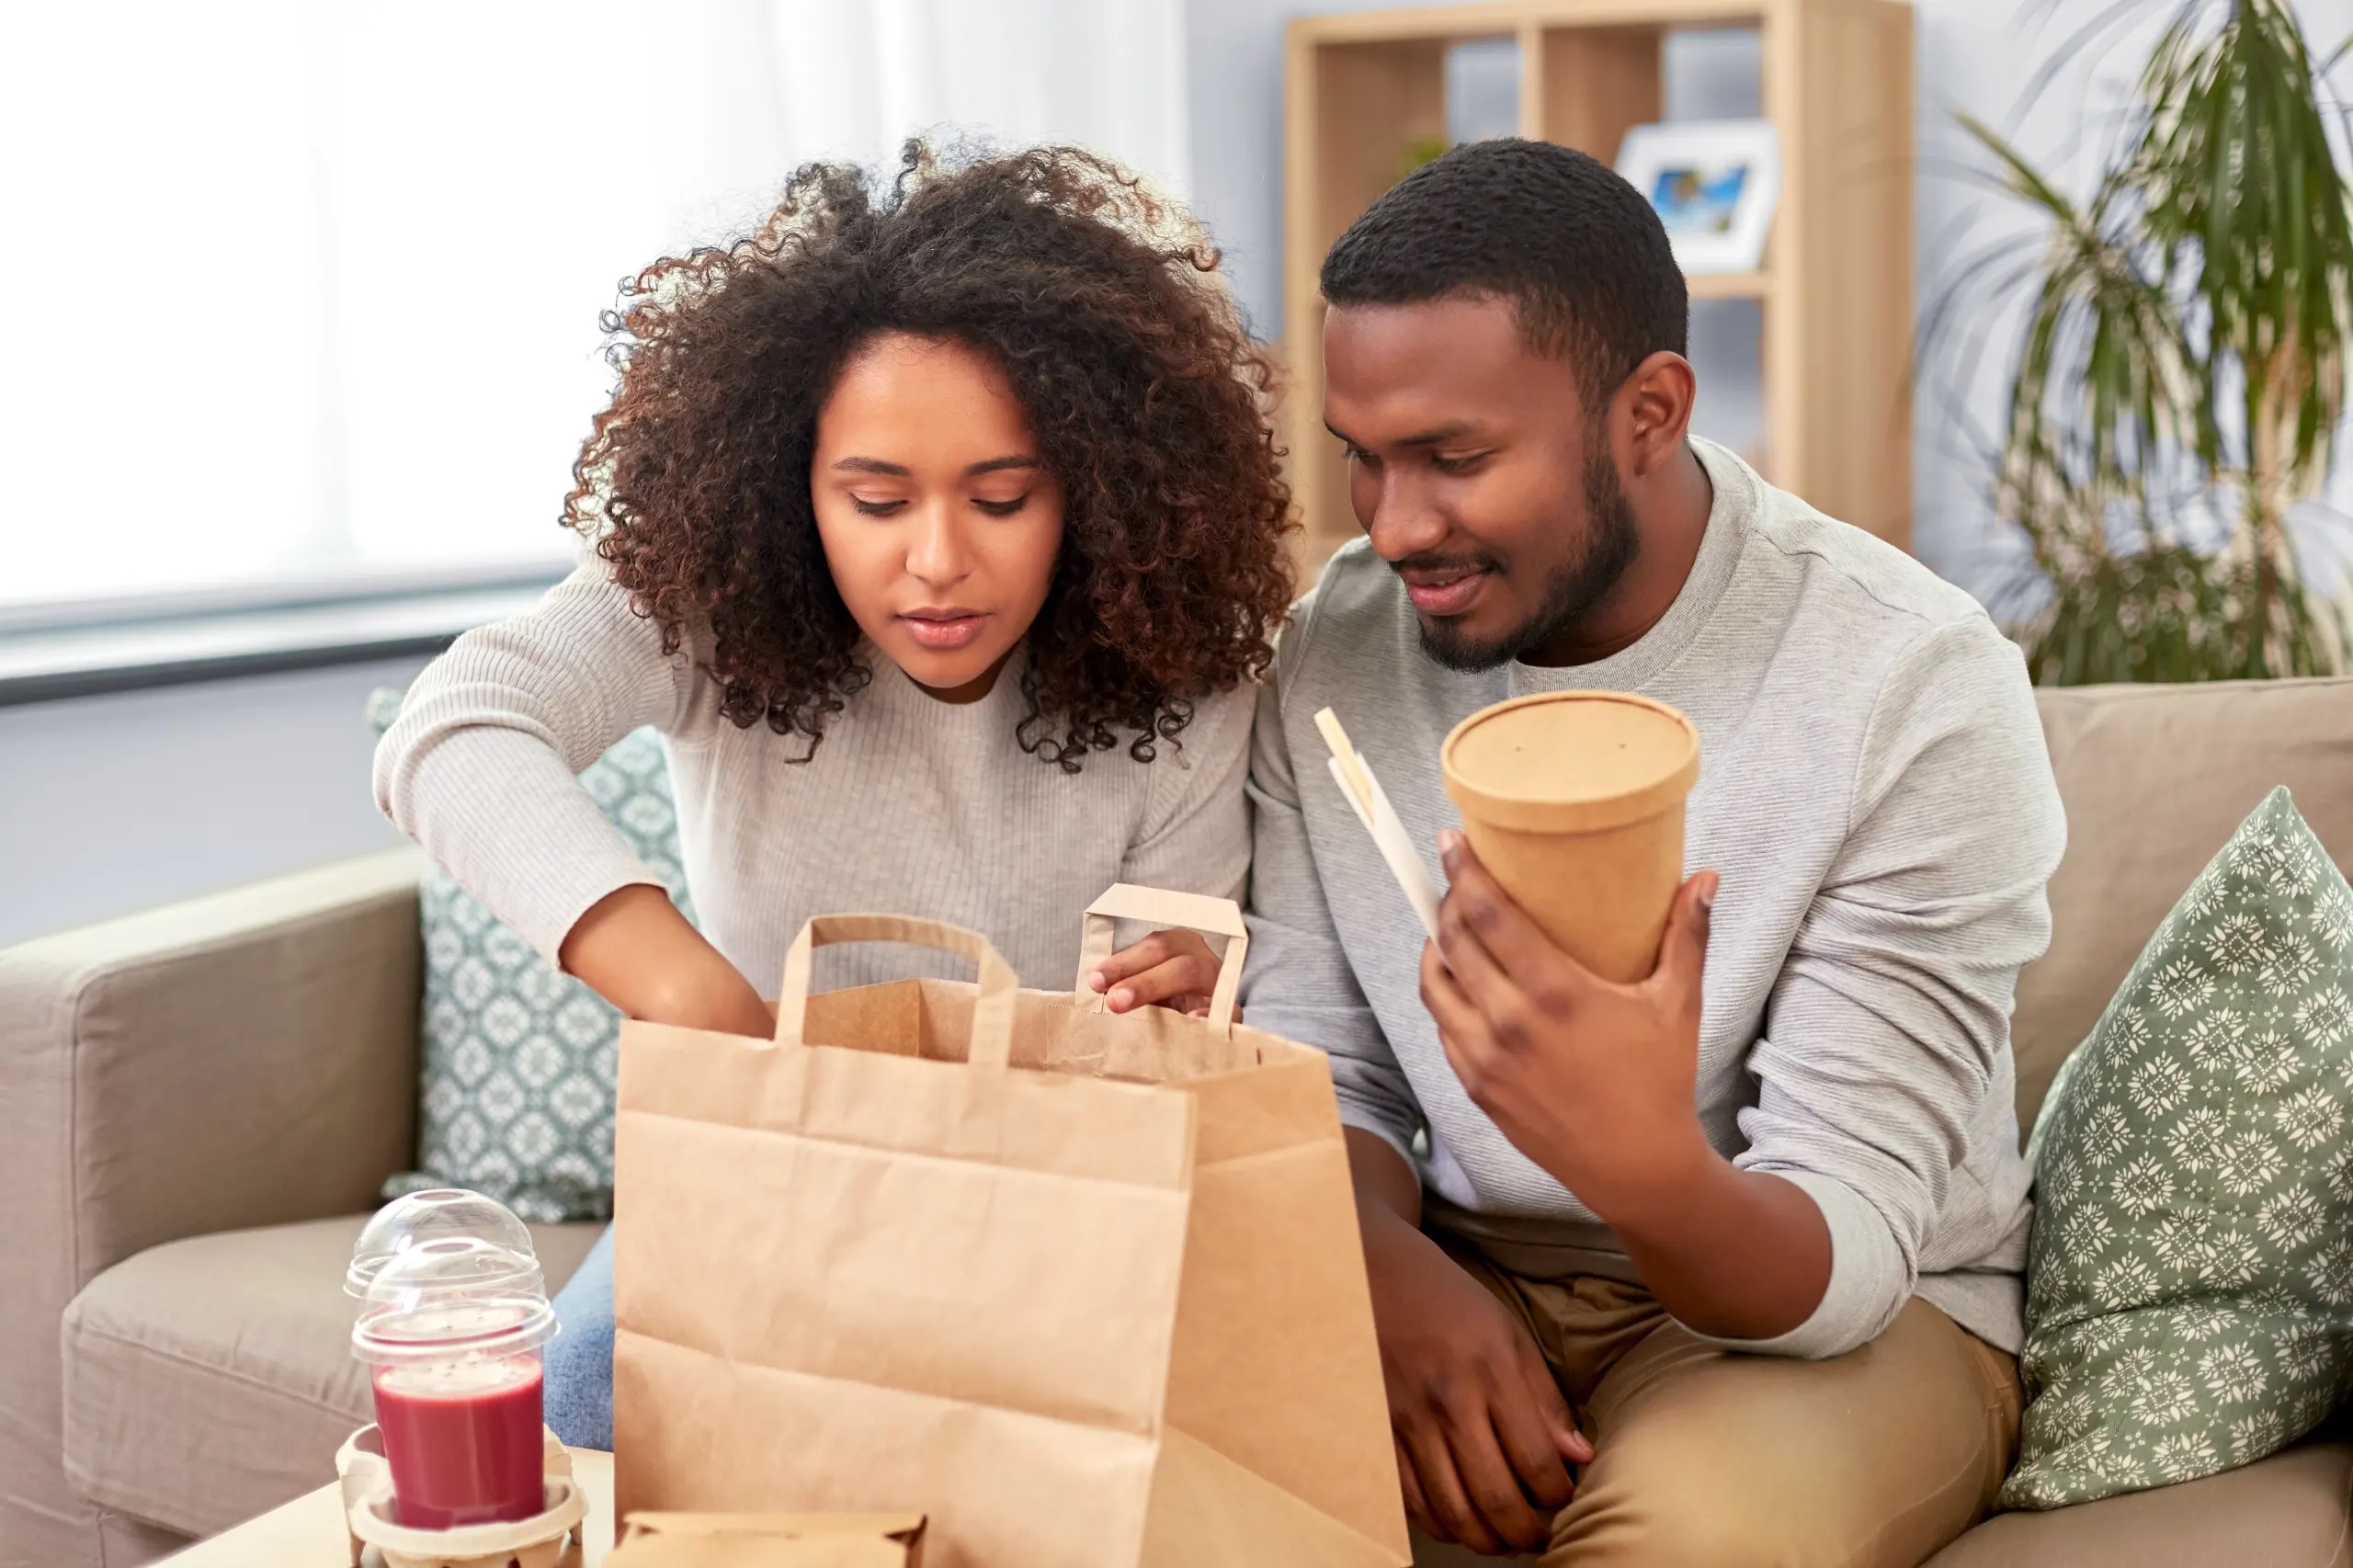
<point x="1705" y="1458"/>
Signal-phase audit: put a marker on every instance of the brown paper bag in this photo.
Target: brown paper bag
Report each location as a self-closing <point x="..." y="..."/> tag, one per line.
<point x="770" y="1541"/>
<point x="1083" y="1288"/>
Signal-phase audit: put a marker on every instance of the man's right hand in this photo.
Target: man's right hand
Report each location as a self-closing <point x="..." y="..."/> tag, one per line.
<point x="1485" y="1439"/>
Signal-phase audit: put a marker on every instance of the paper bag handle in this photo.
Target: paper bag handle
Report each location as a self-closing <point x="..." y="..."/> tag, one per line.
<point x="1157" y="906"/>
<point x="992" y="1044"/>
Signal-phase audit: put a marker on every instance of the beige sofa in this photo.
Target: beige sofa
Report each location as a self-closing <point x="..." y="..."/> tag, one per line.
<point x="197" y="1105"/>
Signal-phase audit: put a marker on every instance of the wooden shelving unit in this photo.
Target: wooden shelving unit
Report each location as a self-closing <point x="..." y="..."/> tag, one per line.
<point x="1730" y="285"/>
<point x="1835" y="289"/>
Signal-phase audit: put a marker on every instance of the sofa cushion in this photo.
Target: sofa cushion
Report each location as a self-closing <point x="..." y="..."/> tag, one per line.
<point x="209" y="1380"/>
<point x="520" y="1058"/>
<point x="2154" y="778"/>
<point x="2288" y="1512"/>
<point x="2190" y="1286"/>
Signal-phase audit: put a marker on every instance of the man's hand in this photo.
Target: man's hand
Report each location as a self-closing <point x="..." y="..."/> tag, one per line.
<point x="1167" y="969"/>
<point x="1591" y="1080"/>
<point x="1485" y="1441"/>
<point x="1596" y="1083"/>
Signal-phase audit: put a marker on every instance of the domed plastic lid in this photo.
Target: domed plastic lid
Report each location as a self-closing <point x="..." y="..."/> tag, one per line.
<point x="420" y="1217"/>
<point x="455" y="1297"/>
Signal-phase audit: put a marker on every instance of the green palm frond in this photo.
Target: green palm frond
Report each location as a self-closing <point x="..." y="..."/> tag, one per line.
<point x="2185" y="329"/>
<point x="2241" y="181"/>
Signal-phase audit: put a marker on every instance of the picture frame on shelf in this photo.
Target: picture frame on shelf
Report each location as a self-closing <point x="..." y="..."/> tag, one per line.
<point x="1714" y="183"/>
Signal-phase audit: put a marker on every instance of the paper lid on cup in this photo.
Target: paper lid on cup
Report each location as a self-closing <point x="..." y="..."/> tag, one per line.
<point x="435" y="1215"/>
<point x="1571" y="761"/>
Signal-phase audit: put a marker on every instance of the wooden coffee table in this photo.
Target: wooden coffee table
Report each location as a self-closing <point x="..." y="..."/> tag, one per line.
<point x="310" y="1531"/>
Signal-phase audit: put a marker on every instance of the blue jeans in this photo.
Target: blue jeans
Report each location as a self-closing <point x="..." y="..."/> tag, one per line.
<point x="580" y="1359"/>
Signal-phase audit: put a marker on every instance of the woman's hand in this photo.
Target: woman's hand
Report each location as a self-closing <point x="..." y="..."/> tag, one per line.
<point x="638" y="953"/>
<point x="1167" y="969"/>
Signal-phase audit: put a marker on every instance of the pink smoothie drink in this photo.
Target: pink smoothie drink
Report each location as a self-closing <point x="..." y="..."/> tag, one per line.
<point x="464" y="1439"/>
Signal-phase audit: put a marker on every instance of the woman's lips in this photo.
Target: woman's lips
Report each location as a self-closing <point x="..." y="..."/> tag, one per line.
<point x="944" y="630"/>
<point x="1449" y="594"/>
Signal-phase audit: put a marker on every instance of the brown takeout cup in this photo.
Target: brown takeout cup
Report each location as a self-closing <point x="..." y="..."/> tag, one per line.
<point x="1574" y="801"/>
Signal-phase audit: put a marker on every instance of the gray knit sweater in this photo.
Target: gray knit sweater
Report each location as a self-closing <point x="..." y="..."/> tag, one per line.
<point x="911" y="806"/>
<point x="1874" y="790"/>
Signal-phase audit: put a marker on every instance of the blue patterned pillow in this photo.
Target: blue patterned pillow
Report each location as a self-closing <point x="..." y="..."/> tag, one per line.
<point x="519" y="1059"/>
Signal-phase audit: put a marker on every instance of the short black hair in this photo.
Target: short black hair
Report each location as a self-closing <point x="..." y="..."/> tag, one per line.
<point x="1578" y="252"/>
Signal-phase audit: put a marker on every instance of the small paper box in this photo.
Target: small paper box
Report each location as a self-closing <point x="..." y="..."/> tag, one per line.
<point x="770" y="1541"/>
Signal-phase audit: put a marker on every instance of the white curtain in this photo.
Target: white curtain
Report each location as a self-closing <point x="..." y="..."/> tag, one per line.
<point x="304" y="292"/>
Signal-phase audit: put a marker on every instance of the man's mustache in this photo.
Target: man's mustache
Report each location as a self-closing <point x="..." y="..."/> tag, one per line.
<point x="1447" y="565"/>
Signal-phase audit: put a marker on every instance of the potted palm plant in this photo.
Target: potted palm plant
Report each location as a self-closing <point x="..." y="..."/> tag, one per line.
<point x="2178" y="381"/>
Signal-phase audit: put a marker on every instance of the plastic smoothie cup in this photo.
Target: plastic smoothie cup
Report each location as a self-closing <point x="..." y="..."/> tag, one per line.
<point x="452" y="1330"/>
<point x="1573" y="802"/>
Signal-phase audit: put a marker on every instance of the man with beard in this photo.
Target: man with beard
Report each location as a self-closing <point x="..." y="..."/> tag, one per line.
<point x="1669" y="1272"/>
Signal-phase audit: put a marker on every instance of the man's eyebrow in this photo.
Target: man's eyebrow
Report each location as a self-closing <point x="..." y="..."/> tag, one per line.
<point x="1437" y="435"/>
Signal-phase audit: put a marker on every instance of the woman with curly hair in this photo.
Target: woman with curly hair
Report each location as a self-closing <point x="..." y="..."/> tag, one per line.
<point x="937" y="527"/>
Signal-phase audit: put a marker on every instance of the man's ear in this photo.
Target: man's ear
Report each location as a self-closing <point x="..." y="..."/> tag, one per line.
<point x="1656" y="405"/>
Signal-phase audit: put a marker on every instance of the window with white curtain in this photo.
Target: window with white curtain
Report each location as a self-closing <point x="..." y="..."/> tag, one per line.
<point x="303" y="295"/>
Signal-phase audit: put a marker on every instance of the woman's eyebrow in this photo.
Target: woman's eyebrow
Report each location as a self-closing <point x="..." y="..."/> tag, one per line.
<point x="900" y="470"/>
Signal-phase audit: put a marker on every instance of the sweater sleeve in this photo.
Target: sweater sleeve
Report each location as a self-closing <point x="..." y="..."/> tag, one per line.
<point x="481" y="766"/>
<point x="1300" y="984"/>
<point x="1885" y="1031"/>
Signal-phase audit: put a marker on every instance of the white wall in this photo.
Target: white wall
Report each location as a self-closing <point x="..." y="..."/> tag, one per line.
<point x="1971" y="54"/>
<point x="110" y="804"/>
<point x="1233" y="60"/>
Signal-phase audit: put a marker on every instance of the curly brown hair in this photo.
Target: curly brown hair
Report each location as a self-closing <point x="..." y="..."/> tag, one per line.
<point x="1147" y="395"/>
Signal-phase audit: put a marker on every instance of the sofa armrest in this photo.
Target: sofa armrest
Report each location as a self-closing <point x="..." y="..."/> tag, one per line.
<point x="234" y="1061"/>
<point x="239" y="1060"/>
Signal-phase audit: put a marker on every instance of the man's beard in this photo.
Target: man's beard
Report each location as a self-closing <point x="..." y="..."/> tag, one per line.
<point x="1575" y="587"/>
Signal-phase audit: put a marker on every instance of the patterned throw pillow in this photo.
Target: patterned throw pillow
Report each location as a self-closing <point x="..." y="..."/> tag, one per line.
<point x="520" y="1058"/>
<point x="2189" y="1296"/>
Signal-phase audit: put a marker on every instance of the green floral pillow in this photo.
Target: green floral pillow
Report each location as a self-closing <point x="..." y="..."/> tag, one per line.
<point x="520" y="1058"/>
<point x="2189" y="1291"/>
